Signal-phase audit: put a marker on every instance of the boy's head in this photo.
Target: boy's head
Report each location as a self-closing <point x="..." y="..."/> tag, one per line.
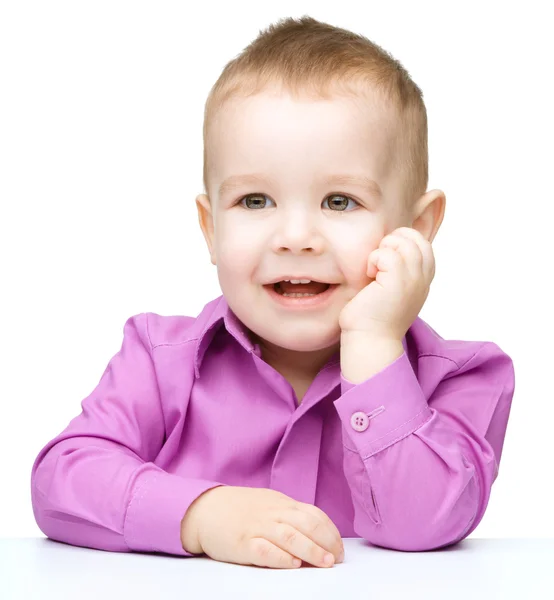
<point x="302" y="103"/>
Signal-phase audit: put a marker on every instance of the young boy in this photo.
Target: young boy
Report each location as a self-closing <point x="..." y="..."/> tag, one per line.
<point x="309" y="402"/>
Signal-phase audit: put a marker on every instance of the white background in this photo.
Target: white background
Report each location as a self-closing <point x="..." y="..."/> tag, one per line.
<point x="101" y="108"/>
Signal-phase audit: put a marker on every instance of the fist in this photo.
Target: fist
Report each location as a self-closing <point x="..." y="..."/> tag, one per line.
<point x="401" y="271"/>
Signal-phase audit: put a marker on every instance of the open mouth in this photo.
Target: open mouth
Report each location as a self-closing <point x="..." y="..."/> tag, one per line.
<point x="298" y="290"/>
<point x="300" y="296"/>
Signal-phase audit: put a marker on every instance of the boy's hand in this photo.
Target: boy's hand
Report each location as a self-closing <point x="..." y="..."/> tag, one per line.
<point x="259" y="526"/>
<point x="402" y="269"/>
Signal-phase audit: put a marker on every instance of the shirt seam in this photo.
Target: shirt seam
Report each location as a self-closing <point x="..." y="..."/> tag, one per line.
<point x="174" y="343"/>
<point x="156" y="377"/>
<point x="459" y="366"/>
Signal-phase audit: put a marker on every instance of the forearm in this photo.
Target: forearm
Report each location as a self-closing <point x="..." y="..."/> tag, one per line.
<point x="362" y="355"/>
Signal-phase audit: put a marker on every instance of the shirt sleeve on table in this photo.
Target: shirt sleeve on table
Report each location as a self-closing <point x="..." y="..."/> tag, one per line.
<point x="96" y="483"/>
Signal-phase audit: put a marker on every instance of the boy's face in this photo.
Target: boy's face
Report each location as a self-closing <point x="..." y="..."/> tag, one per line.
<point x="295" y="222"/>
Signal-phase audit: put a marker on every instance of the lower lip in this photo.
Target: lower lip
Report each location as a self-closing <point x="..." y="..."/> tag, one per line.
<point x="302" y="302"/>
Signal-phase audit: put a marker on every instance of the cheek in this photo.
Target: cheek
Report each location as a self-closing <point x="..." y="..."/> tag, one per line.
<point x="241" y="238"/>
<point x="356" y="267"/>
<point x="237" y="255"/>
<point x="354" y="255"/>
<point x="232" y="238"/>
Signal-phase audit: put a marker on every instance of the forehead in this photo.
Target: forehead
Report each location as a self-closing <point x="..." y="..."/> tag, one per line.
<point x="273" y="131"/>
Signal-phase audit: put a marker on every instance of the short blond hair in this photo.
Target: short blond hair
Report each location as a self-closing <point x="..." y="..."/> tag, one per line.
<point x="306" y="56"/>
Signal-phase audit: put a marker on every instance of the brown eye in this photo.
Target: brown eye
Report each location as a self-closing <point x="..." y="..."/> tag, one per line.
<point x="254" y="201"/>
<point x="339" y="205"/>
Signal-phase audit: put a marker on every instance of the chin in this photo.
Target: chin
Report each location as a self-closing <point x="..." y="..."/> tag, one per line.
<point x="298" y="341"/>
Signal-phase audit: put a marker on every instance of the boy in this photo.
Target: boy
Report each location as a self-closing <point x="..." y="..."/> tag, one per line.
<point x="309" y="402"/>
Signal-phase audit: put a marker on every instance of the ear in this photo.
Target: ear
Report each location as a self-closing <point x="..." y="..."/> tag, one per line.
<point x="205" y="218"/>
<point x="428" y="213"/>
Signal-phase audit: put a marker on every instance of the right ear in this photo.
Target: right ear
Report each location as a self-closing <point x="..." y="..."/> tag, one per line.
<point x="205" y="218"/>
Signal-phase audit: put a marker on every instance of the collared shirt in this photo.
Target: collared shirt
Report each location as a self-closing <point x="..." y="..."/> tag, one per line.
<point x="405" y="459"/>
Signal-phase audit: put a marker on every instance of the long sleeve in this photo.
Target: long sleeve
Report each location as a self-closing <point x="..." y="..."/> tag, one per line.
<point x="96" y="484"/>
<point x="421" y="471"/>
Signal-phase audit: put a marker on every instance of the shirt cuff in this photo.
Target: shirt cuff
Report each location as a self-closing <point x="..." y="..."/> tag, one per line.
<point x="157" y="507"/>
<point x="383" y="409"/>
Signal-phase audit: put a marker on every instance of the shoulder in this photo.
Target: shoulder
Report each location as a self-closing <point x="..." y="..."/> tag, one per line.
<point x="172" y="330"/>
<point x="456" y="356"/>
<point x="168" y="330"/>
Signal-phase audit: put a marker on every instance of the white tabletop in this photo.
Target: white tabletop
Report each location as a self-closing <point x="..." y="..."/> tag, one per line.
<point x="43" y="569"/>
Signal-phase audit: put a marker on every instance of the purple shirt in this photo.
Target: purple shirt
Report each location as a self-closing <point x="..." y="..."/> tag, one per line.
<point x="406" y="459"/>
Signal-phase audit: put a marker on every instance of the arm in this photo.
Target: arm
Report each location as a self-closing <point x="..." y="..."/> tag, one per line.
<point x="421" y="473"/>
<point x="96" y="484"/>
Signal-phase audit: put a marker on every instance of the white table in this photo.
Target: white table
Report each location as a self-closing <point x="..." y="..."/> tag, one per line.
<point x="498" y="569"/>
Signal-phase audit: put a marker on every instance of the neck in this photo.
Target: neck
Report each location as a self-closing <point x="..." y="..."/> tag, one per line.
<point x="295" y="362"/>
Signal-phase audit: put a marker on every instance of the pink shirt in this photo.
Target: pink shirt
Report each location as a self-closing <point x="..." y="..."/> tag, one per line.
<point x="405" y="459"/>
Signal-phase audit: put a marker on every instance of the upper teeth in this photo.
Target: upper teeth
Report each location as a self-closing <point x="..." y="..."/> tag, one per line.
<point x="298" y="280"/>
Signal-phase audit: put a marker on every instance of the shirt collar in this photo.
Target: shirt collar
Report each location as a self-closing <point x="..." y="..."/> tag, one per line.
<point x="222" y="314"/>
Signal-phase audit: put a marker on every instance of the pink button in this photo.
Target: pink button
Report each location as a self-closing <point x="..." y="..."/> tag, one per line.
<point x="359" y="421"/>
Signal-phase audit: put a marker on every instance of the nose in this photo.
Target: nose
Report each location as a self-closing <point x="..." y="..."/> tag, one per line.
<point x="297" y="233"/>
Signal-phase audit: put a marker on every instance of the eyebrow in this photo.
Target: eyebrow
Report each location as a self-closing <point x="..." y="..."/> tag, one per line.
<point x="369" y="185"/>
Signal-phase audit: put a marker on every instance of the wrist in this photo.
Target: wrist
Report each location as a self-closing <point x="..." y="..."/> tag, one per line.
<point x="190" y="525"/>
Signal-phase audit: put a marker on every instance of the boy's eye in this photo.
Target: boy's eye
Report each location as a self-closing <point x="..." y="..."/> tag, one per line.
<point x="342" y="204"/>
<point x="257" y="201"/>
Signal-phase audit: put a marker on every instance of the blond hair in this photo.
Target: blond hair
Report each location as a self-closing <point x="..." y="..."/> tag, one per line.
<point x="307" y="56"/>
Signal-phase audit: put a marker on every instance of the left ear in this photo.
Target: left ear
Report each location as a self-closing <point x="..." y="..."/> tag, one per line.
<point x="428" y="213"/>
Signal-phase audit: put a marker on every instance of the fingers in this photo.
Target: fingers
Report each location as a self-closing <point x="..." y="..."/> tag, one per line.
<point x="265" y="554"/>
<point x="332" y="540"/>
<point x="308" y="533"/>
<point x="387" y="260"/>
<point x="267" y="528"/>
<point x="416" y="251"/>
<point x="291" y="540"/>
<point x="407" y="251"/>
